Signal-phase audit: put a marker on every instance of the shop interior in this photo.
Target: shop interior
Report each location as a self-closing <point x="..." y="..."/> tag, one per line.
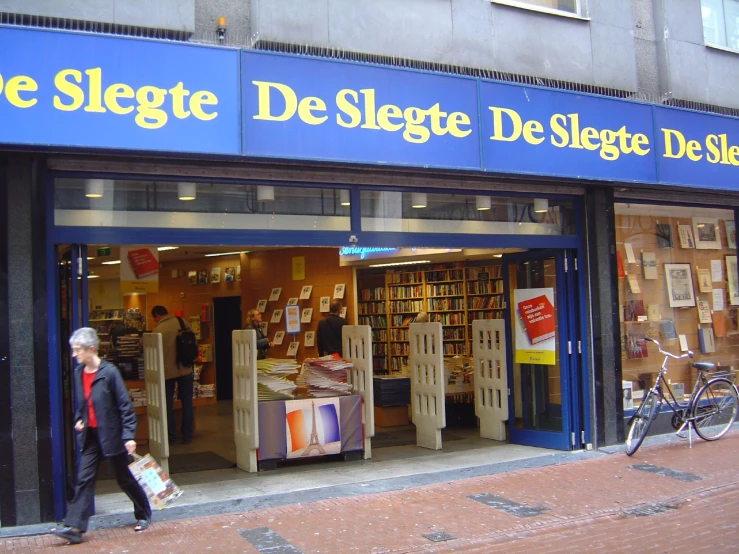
<point x="213" y="288"/>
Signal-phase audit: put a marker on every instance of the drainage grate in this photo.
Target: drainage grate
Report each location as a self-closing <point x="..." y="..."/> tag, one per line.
<point x="508" y="506"/>
<point x="267" y="541"/>
<point x="649" y="509"/>
<point x="439" y="537"/>
<point x="667" y="472"/>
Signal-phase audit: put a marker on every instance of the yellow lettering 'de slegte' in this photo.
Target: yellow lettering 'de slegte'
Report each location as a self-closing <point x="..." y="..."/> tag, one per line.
<point x="77" y="89"/>
<point x="718" y="149"/>
<point x="358" y="108"/>
<point x="566" y="131"/>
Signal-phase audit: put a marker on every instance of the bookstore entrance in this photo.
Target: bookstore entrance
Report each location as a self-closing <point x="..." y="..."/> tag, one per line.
<point x="394" y="272"/>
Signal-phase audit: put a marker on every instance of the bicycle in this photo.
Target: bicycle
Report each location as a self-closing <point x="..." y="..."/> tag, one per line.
<point x="710" y="410"/>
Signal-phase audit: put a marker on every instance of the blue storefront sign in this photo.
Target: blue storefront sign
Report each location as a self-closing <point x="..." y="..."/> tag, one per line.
<point x="543" y="132"/>
<point x="77" y="90"/>
<point x="100" y="92"/>
<point x="697" y="150"/>
<point x="296" y="107"/>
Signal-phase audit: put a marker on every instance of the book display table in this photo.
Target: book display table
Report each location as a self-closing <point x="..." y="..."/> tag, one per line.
<point x="294" y="429"/>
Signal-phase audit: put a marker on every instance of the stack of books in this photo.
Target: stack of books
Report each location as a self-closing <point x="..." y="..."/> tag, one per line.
<point x="138" y="396"/>
<point x="325" y="376"/>
<point x="273" y="381"/>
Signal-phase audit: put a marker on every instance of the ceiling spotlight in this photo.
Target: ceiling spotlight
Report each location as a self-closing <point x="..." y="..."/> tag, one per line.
<point x="418" y="199"/>
<point x="165" y="248"/>
<point x="265" y="193"/>
<point x="541" y="205"/>
<point x="344" y="198"/>
<point x="112" y="262"/>
<point x="94" y="188"/>
<point x="226" y="253"/>
<point x="186" y="191"/>
<point x="482" y="202"/>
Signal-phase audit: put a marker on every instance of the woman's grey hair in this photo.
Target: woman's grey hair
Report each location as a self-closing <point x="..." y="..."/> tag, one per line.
<point x="85" y="337"/>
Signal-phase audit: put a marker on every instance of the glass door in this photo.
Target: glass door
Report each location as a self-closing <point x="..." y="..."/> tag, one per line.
<point x="540" y="344"/>
<point x="72" y="280"/>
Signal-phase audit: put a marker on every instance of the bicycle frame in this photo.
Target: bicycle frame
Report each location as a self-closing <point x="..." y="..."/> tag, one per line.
<point x="676" y="406"/>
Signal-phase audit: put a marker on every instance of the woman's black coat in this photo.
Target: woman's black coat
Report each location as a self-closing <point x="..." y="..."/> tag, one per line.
<point x="113" y="409"/>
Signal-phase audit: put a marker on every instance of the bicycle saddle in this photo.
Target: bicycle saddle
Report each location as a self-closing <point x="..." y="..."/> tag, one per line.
<point x="703" y="366"/>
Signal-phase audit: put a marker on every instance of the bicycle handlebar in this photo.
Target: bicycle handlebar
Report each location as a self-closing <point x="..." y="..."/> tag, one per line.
<point x="688" y="354"/>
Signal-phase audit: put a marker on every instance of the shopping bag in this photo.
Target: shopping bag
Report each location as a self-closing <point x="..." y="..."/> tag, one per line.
<point x="157" y="485"/>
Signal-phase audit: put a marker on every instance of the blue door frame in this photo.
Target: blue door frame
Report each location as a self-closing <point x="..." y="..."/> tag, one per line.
<point x="122" y="236"/>
<point x="568" y="316"/>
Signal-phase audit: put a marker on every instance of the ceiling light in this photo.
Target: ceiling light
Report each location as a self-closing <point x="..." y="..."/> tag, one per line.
<point x="165" y="248"/>
<point x="482" y="202"/>
<point x="226" y="253"/>
<point x="94" y="188"/>
<point x="344" y="198"/>
<point x="541" y="205"/>
<point x="93" y="276"/>
<point x="413" y="262"/>
<point x="186" y="191"/>
<point x="112" y="262"/>
<point x="497" y="255"/>
<point x="418" y="199"/>
<point x="90" y="258"/>
<point x="265" y="193"/>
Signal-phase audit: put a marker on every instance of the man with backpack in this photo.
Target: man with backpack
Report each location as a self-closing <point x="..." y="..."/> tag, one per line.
<point x="180" y="350"/>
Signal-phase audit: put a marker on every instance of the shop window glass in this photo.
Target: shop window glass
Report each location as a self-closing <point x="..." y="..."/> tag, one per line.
<point x="421" y="212"/>
<point x="676" y="278"/>
<point x="721" y="22"/>
<point x="190" y="205"/>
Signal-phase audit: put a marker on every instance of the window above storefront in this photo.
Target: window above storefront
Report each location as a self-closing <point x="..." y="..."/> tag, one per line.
<point x="721" y="23"/>
<point x="557" y="7"/>
<point x="198" y="205"/>
<point x="422" y="212"/>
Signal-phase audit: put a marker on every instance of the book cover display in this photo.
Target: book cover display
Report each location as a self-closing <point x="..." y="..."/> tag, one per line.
<point x="139" y="269"/>
<point x="536" y="329"/>
<point x="313" y="427"/>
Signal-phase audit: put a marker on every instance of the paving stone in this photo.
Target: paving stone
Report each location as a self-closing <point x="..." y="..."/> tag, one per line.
<point x="667" y="472"/>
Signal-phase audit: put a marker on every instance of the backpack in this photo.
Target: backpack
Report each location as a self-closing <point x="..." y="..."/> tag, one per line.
<point x="187" y="346"/>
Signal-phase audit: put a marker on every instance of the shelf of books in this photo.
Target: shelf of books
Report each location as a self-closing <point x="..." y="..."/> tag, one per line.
<point x="454" y="294"/>
<point x="204" y="389"/>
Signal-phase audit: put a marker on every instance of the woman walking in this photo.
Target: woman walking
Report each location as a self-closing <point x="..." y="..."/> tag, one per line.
<point x="106" y="426"/>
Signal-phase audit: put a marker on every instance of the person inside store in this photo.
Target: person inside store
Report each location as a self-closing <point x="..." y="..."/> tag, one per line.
<point x="174" y="373"/>
<point x="106" y="427"/>
<point x="422" y="317"/>
<point x="328" y="334"/>
<point x="254" y="321"/>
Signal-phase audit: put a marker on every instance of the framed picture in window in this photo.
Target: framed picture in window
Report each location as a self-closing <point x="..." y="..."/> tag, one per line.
<point x="732" y="280"/>
<point x="679" y="280"/>
<point x="730" y="234"/>
<point x="706" y="233"/>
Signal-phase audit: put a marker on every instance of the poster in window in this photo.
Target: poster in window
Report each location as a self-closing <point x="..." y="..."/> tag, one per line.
<point x="732" y="280"/>
<point x="685" y="232"/>
<point x="139" y="269"/>
<point x="292" y="301"/>
<point x="292" y="350"/>
<point x="664" y="235"/>
<point x="706" y="233"/>
<point x="535" y="329"/>
<point x="730" y="234"/>
<point x="704" y="280"/>
<point x="679" y="280"/>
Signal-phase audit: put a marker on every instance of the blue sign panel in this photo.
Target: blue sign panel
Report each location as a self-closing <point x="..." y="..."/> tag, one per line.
<point x="77" y="90"/>
<point x="296" y="107"/>
<point x="697" y="150"/>
<point x="543" y="132"/>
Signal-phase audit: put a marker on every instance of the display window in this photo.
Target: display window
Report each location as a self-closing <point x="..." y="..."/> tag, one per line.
<point x="677" y="284"/>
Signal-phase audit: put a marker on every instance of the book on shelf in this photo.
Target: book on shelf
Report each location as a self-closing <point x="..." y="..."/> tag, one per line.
<point x="719" y="324"/>
<point x="649" y="265"/>
<point x="667" y="329"/>
<point x="633" y="309"/>
<point x="706" y="340"/>
<point x="636" y="346"/>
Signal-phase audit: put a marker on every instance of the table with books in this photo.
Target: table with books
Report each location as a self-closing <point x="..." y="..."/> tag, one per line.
<point x="307" y="410"/>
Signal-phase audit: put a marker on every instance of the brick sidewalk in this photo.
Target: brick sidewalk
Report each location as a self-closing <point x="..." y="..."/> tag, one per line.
<point x="598" y="505"/>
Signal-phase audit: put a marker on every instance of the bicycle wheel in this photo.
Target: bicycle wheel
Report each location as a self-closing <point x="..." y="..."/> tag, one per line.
<point x="714" y="409"/>
<point x="641" y="421"/>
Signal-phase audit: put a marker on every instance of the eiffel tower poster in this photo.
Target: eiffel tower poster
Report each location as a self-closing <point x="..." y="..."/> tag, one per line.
<point x="313" y="427"/>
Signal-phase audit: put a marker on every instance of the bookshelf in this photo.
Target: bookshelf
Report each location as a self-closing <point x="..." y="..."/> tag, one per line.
<point x="454" y="294"/>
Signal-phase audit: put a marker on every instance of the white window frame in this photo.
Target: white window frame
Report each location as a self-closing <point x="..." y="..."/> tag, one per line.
<point x="524" y="5"/>
<point x="723" y="32"/>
